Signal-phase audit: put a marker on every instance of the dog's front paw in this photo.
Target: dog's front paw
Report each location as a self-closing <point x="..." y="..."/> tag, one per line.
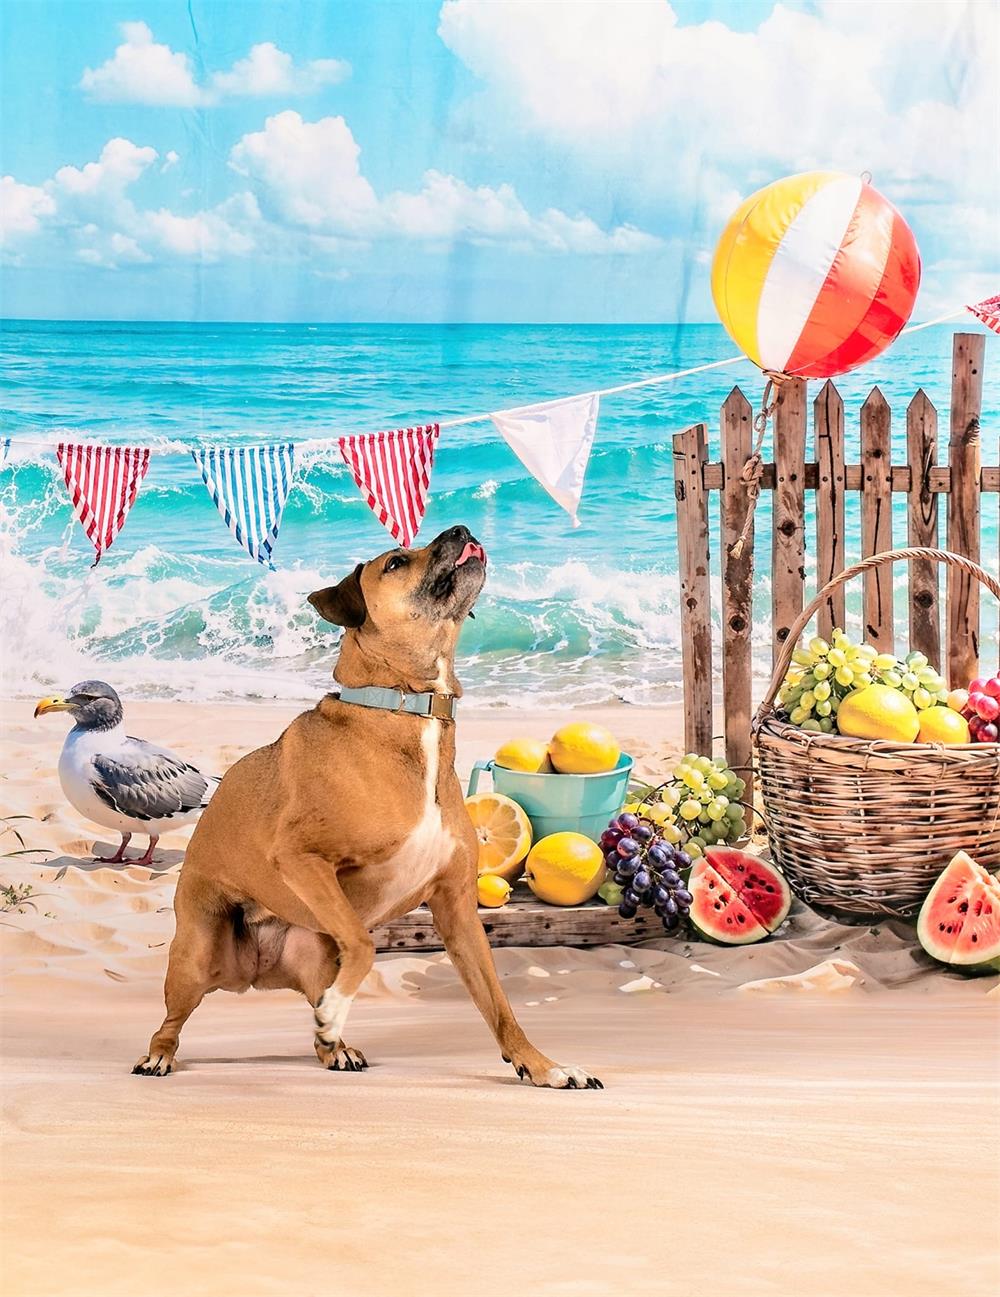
<point x="554" y="1077"/>
<point x="340" y="1057"/>
<point x="154" y="1065"/>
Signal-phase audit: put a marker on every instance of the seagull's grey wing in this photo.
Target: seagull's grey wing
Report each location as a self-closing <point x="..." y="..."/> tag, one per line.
<point x="147" y="782"/>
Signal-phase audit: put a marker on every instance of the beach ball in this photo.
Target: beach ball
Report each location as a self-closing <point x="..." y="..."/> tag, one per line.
<point x="815" y="274"/>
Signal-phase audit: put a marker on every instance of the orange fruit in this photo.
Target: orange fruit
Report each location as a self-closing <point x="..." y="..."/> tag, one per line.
<point x="565" y="869"/>
<point x="529" y="755"/>
<point x="504" y="833"/>
<point x="942" y="725"/>
<point x="493" y="891"/>
<point x="583" y="749"/>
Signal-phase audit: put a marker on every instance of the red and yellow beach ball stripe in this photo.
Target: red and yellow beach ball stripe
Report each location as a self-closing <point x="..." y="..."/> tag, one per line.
<point x="815" y="274"/>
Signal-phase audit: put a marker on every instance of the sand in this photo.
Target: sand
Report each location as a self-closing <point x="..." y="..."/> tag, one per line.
<point x="817" y="1116"/>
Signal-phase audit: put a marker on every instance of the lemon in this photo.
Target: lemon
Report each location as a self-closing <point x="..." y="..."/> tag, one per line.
<point x="565" y="869"/>
<point x="493" y="891"/>
<point x="583" y="749"/>
<point x="529" y="755"/>
<point x="878" y="712"/>
<point x="504" y="834"/>
<point x="942" y="725"/>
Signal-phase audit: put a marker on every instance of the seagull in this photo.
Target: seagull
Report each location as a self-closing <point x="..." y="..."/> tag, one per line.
<point x="119" y="782"/>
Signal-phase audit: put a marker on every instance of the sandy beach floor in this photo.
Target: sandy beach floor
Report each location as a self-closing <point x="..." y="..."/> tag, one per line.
<point x="817" y="1116"/>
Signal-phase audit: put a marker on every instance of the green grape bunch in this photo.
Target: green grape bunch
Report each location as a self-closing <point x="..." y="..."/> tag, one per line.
<point x="914" y="676"/>
<point x="822" y="674"/>
<point x="698" y="806"/>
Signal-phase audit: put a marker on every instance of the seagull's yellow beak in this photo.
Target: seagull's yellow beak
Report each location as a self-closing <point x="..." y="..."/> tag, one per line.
<point x="53" y="704"/>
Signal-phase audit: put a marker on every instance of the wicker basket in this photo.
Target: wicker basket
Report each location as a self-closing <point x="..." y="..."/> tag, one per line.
<point x="862" y="828"/>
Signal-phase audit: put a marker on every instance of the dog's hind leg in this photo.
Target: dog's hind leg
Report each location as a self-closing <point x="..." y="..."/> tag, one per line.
<point x="314" y="881"/>
<point x="193" y="962"/>
<point x="456" y="917"/>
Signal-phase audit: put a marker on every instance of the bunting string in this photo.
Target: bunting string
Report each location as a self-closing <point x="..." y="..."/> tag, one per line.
<point x="249" y="484"/>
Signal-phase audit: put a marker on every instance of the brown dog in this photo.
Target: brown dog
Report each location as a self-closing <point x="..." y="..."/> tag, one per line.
<point x="353" y="817"/>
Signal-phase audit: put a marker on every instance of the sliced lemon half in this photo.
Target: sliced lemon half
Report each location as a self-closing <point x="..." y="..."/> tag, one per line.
<point x="504" y="833"/>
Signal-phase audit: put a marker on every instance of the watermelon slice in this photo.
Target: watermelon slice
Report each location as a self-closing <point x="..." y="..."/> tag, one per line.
<point x="737" y="898"/>
<point x="959" y="922"/>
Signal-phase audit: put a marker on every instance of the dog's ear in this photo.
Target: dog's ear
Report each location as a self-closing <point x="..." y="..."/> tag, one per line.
<point x="344" y="603"/>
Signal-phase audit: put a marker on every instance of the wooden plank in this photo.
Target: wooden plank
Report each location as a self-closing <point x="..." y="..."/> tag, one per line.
<point x="922" y="528"/>
<point x="788" y="541"/>
<point x="964" y="456"/>
<point x="525" y="921"/>
<point x="940" y="478"/>
<point x="690" y="456"/>
<point x="828" y="436"/>
<point x="737" y="584"/>
<point x="876" y="518"/>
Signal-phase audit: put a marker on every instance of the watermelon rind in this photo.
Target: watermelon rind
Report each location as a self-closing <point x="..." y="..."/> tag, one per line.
<point x="965" y="895"/>
<point x="705" y="884"/>
<point x="756" y="882"/>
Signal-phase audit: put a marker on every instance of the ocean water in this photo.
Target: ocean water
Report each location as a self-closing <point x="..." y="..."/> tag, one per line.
<point x="573" y="617"/>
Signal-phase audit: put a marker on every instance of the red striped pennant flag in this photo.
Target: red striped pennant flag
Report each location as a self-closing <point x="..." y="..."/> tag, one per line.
<point x="988" y="312"/>
<point x="103" y="482"/>
<point x="393" y="473"/>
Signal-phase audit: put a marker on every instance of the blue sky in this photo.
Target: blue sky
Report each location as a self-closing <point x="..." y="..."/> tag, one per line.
<point x="467" y="159"/>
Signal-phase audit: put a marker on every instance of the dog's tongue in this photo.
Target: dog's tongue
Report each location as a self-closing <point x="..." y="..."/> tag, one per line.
<point x="472" y="550"/>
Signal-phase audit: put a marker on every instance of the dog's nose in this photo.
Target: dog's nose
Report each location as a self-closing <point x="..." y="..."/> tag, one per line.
<point x="461" y="534"/>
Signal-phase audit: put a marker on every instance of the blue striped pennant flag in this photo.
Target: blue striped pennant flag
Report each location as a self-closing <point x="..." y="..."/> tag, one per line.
<point x="249" y="485"/>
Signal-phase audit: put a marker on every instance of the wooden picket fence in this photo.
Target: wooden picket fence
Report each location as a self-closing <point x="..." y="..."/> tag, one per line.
<point x="827" y="474"/>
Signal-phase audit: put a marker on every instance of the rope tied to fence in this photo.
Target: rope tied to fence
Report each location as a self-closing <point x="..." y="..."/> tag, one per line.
<point x="753" y="469"/>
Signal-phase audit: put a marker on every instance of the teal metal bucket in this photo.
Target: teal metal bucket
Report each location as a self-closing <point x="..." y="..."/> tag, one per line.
<point x="561" y="803"/>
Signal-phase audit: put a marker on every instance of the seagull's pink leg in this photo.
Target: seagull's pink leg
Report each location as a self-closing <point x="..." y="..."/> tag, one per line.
<point x="119" y="855"/>
<point x="147" y="859"/>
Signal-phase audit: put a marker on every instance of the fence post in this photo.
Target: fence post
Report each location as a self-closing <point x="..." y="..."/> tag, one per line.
<point x="690" y="457"/>
<point x="876" y="518"/>
<point x="828" y="437"/>
<point x="965" y="460"/>
<point x="788" y="543"/>
<point x="922" y="528"/>
<point x="737" y="584"/>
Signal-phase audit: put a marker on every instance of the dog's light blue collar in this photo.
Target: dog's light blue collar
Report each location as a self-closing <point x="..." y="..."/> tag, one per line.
<point x="438" y="706"/>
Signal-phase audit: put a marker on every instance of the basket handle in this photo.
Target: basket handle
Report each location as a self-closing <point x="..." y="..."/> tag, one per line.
<point x="875" y="560"/>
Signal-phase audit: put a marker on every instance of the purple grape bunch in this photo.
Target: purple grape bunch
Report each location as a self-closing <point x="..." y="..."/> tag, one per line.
<point x="648" y="868"/>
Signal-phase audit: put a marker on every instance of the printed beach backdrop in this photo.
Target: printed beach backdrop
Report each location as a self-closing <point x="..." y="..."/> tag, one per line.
<point x="569" y="616"/>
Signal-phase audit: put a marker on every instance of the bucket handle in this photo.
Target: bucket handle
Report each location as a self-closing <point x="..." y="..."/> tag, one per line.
<point x="478" y="769"/>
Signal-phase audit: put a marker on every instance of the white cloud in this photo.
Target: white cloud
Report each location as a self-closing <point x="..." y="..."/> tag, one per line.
<point x="141" y="71"/>
<point x="269" y="71"/>
<point x="121" y="163"/>
<point x="110" y="251"/>
<point x="23" y="208"/>
<point x="309" y="174"/>
<point x="207" y="236"/>
<point x="170" y="159"/>
<point x="682" y="117"/>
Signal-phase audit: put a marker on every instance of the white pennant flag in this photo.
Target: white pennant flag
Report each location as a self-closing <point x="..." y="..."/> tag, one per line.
<point x="553" y="442"/>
